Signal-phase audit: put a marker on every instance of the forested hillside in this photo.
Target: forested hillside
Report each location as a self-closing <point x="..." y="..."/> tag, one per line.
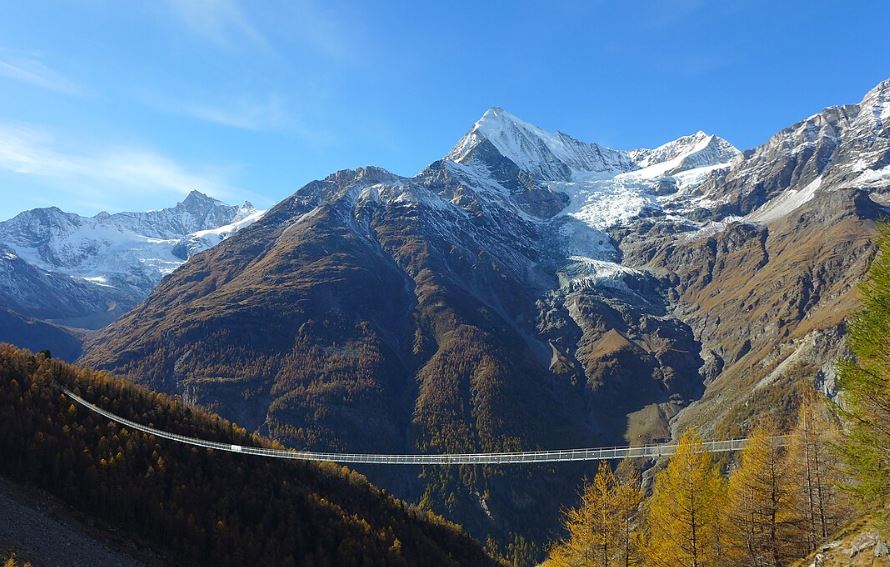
<point x="201" y="507"/>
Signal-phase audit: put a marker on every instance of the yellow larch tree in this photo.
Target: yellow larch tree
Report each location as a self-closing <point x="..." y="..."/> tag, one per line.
<point x="629" y="496"/>
<point x="761" y="523"/>
<point x="595" y="527"/>
<point x="684" y="513"/>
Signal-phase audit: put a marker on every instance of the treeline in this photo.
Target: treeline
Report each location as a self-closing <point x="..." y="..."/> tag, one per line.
<point x="201" y="506"/>
<point x="782" y="500"/>
<point x="777" y="505"/>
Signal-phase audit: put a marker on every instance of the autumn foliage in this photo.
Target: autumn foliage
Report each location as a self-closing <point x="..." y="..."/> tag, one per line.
<point x="683" y="514"/>
<point x="601" y="528"/>
<point x="774" y="506"/>
<point x="197" y="505"/>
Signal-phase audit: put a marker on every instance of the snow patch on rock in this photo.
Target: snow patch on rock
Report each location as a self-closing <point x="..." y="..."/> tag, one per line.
<point x="785" y="203"/>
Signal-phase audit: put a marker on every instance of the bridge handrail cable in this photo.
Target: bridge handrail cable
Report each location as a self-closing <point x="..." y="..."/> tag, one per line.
<point x="550" y="456"/>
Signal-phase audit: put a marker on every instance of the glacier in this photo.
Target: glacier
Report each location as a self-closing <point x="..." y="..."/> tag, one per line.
<point x="605" y="187"/>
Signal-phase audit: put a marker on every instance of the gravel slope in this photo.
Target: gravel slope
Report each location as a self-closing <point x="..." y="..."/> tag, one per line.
<point x="43" y="531"/>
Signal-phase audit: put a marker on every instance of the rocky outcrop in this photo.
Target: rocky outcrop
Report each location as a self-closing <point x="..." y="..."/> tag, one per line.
<point x="861" y="544"/>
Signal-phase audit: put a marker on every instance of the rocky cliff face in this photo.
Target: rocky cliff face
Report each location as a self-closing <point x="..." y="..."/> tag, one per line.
<point x="842" y="146"/>
<point x="528" y="290"/>
<point x="768" y="301"/>
<point x="767" y="286"/>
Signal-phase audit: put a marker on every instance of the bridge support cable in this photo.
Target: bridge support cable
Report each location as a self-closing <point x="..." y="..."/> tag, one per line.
<point x="526" y="457"/>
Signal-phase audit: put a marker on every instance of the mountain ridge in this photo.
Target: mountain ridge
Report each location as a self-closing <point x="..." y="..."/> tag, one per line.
<point x="478" y="305"/>
<point x="86" y="271"/>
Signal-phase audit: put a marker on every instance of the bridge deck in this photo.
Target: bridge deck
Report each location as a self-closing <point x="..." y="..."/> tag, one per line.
<point x="557" y="456"/>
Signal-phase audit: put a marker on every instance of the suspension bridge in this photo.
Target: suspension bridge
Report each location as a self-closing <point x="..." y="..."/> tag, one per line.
<point x="521" y="457"/>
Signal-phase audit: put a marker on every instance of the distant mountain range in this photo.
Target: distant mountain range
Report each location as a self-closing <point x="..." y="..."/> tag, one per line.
<point x="62" y="269"/>
<point x="528" y="290"/>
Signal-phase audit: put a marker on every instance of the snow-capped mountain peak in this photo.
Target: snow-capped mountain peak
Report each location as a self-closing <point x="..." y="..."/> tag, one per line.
<point x="547" y="156"/>
<point x="130" y="251"/>
<point x="645" y="157"/>
<point x="875" y="105"/>
<point x="208" y="238"/>
<point x="683" y="154"/>
<point x="197" y="199"/>
<point x="587" y="188"/>
<point x="196" y="212"/>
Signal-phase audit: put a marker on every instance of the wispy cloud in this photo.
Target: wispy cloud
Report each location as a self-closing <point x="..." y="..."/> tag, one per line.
<point x="326" y="30"/>
<point x="248" y="114"/>
<point x="253" y="112"/>
<point x="240" y="26"/>
<point x="35" y="152"/>
<point x="221" y="22"/>
<point x="304" y="44"/>
<point x="32" y="71"/>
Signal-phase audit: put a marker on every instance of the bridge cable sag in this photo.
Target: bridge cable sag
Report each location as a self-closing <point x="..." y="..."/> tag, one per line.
<point x="522" y="457"/>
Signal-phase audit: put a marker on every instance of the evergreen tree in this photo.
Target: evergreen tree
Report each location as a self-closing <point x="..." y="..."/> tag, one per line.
<point x="865" y="385"/>
<point x="684" y="512"/>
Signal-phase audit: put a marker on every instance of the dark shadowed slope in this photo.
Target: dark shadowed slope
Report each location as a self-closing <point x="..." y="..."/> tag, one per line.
<point x="202" y="507"/>
<point x="39" y="335"/>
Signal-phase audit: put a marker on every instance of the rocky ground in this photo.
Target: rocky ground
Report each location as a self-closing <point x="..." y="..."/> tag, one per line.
<point x="859" y="545"/>
<point x="43" y="531"/>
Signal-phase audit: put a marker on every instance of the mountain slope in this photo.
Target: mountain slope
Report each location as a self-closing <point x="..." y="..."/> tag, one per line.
<point x="40" y="529"/>
<point x="528" y="290"/>
<point x="347" y="319"/>
<point x="379" y="313"/>
<point x="844" y="146"/>
<point x="767" y="293"/>
<point x="39" y="335"/>
<point x="768" y="302"/>
<point x="42" y="294"/>
<point x="202" y="507"/>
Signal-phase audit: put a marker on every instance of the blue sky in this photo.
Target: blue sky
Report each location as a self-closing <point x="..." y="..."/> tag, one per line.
<point x="109" y="105"/>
